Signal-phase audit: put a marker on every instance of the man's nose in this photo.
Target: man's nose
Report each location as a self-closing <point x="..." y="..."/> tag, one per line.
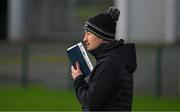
<point x="84" y="39"/>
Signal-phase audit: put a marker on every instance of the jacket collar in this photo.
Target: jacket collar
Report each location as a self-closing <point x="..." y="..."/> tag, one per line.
<point x="104" y="48"/>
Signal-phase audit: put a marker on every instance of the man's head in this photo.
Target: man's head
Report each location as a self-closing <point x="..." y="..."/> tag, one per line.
<point x="101" y="28"/>
<point x="91" y="41"/>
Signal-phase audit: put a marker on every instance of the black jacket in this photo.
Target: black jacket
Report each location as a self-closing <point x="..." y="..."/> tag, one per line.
<point x="110" y="85"/>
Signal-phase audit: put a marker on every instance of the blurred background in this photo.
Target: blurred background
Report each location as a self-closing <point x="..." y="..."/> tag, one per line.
<point x="34" y="36"/>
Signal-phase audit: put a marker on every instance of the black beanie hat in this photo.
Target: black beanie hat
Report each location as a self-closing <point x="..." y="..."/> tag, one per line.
<point x="104" y="25"/>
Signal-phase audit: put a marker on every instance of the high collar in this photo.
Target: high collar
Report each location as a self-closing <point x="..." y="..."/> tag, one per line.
<point x="102" y="50"/>
<point x="124" y="53"/>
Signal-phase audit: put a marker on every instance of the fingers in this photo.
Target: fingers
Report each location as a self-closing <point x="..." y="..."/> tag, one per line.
<point x="72" y="68"/>
<point x="77" y="65"/>
<point x="75" y="72"/>
<point x="75" y="68"/>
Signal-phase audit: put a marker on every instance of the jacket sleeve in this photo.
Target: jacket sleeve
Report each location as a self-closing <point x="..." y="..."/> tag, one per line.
<point x="93" y="96"/>
<point x="81" y="89"/>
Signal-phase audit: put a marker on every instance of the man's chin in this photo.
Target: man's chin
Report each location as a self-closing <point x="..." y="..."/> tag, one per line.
<point x="88" y="49"/>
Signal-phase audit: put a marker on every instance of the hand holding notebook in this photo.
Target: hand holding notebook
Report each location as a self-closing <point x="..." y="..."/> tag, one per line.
<point x="77" y="53"/>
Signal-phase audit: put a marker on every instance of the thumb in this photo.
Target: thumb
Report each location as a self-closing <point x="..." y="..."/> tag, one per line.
<point x="77" y="65"/>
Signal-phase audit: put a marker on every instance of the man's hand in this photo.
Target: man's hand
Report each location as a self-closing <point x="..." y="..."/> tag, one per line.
<point x="76" y="72"/>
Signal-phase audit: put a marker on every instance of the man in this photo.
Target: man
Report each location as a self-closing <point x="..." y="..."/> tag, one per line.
<point x="110" y="85"/>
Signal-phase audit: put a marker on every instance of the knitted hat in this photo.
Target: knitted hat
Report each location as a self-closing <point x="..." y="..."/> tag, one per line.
<point x="103" y="25"/>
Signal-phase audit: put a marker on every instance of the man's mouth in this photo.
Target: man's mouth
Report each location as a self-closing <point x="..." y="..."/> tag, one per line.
<point x="87" y="44"/>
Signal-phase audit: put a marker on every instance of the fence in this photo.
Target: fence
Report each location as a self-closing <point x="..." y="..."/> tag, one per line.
<point x="46" y="64"/>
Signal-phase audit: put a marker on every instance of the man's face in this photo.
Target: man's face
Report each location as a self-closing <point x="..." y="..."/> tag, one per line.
<point x="91" y="41"/>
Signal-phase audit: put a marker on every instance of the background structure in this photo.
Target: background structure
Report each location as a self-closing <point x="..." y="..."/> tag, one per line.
<point x="35" y="34"/>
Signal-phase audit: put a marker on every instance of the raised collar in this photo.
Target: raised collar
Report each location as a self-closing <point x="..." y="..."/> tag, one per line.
<point x="101" y="51"/>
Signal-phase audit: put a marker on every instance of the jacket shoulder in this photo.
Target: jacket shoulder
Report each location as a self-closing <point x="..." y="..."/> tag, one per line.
<point x="111" y="62"/>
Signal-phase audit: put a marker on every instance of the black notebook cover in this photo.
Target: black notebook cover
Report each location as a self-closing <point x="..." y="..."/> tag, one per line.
<point x="78" y="53"/>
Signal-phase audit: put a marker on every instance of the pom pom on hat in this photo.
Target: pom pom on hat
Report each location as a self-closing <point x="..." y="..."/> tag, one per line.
<point x="114" y="13"/>
<point x="103" y="25"/>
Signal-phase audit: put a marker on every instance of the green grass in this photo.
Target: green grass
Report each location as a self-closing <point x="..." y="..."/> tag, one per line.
<point x="38" y="98"/>
<point x="148" y="103"/>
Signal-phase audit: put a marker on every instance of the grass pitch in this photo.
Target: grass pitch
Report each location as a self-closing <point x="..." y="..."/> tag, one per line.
<point x="42" y="99"/>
